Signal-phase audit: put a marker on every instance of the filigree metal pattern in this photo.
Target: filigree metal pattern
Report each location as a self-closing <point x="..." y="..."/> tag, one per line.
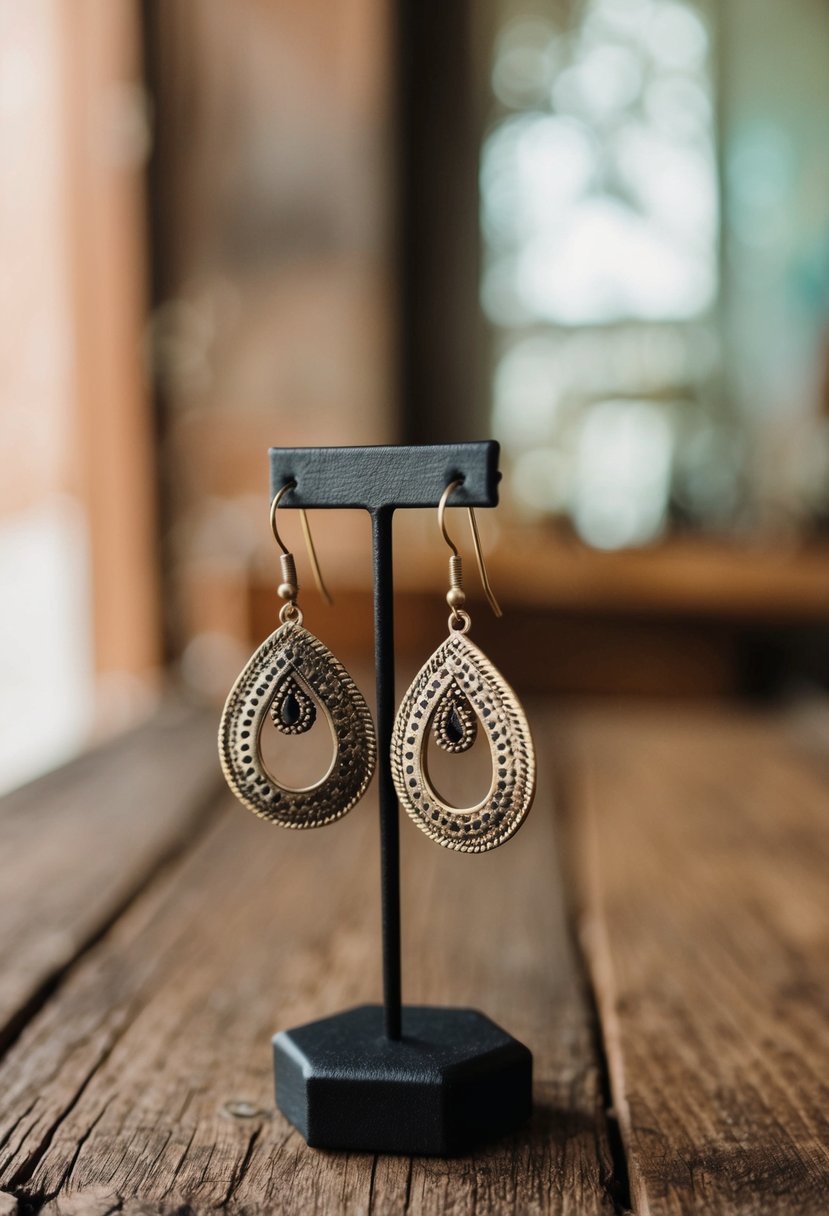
<point x="456" y="668"/>
<point x="288" y="669"/>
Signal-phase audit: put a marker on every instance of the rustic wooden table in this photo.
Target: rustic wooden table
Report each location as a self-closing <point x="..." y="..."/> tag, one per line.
<point x="657" y="934"/>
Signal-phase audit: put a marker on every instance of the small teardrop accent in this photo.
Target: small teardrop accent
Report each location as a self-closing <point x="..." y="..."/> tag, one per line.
<point x="284" y="678"/>
<point x="459" y="682"/>
<point x="455" y="725"/>
<point x="293" y="713"/>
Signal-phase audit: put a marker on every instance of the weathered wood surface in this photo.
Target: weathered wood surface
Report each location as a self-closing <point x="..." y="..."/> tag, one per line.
<point x="701" y="842"/>
<point x="144" y="1084"/>
<point x="80" y="842"/>
<point x="152" y="938"/>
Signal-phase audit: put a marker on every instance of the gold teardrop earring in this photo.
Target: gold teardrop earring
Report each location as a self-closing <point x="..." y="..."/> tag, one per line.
<point x="290" y="675"/>
<point x="453" y="694"/>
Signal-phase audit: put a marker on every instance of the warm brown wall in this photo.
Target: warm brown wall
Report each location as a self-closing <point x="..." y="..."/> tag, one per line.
<point x="75" y="426"/>
<point x="272" y="208"/>
<point x="106" y="143"/>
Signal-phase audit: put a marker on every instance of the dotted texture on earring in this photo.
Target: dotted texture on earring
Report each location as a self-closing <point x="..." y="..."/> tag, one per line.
<point x="289" y="671"/>
<point x="455" y="691"/>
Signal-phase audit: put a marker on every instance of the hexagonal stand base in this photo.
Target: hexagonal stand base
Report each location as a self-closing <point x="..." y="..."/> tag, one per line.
<point x="453" y="1081"/>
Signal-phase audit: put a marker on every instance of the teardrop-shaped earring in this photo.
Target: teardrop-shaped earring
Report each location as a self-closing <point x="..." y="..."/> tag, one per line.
<point x="286" y="679"/>
<point x="457" y="691"/>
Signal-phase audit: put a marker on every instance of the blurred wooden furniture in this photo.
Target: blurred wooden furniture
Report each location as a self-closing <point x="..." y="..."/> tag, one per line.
<point x="153" y="935"/>
<point x="689" y="618"/>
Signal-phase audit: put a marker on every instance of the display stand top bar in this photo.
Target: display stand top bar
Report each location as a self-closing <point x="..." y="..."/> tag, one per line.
<point x="377" y="478"/>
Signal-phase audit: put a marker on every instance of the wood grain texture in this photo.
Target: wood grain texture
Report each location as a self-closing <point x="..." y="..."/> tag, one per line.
<point x="80" y="842"/>
<point x="701" y="846"/>
<point x="144" y="1084"/>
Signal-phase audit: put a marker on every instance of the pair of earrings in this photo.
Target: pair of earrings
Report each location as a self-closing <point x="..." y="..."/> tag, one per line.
<point x="454" y="694"/>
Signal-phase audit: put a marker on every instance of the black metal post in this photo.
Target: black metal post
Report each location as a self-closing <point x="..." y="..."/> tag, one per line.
<point x="382" y="480"/>
<point x="353" y="1080"/>
<point x="381" y="523"/>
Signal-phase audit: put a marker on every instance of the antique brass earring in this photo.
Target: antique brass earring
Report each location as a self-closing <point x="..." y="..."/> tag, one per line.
<point x="289" y="679"/>
<point x="457" y="692"/>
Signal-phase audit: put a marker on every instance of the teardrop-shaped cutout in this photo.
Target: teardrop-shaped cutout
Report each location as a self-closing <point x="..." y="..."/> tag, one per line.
<point x="296" y="760"/>
<point x="458" y="666"/>
<point x="459" y="778"/>
<point x="289" y="665"/>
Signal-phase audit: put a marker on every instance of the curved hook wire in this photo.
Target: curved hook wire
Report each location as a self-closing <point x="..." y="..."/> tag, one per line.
<point x="479" y="557"/>
<point x="444" y="498"/>
<point x="277" y="499"/>
<point x="476" y="542"/>
<point x="309" y="540"/>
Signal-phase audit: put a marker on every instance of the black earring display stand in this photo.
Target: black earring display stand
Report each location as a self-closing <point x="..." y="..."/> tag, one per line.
<point x="385" y="1078"/>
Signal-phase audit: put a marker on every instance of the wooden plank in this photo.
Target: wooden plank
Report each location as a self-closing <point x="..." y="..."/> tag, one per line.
<point x="78" y="843"/>
<point x="687" y="577"/>
<point x="145" y="1083"/>
<point x="702" y="854"/>
<point x="684" y="578"/>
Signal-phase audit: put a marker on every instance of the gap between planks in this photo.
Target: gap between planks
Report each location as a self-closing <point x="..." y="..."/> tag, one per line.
<point x="700" y="852"/>
<point x="81" y="842"/>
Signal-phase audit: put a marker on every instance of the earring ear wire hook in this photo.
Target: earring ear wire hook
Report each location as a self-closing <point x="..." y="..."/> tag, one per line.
<point x="312" y="556"/>
<point x="444" y="498"/>
<point x="479" y="557"/>
<point x="309" y="540"/>
<point x="476" y="542"/>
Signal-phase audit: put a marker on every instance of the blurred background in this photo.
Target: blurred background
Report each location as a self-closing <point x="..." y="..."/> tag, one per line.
<point x="597" y="231"/>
